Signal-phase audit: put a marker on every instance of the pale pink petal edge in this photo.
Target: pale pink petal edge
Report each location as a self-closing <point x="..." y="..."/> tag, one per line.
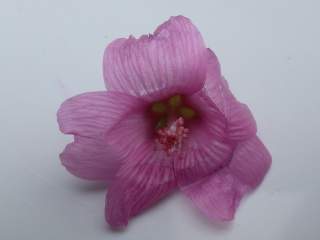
<point x="219" y="195"/>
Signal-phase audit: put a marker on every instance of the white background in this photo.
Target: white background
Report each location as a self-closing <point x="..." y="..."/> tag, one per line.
<point x="52" y="50"/>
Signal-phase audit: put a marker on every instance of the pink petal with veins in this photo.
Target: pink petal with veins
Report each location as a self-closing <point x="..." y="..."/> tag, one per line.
<point x="172" y="59"/>
<point x="241" y="124"/>
<point x="90" y="159"/>
<point x="218" y="195"/>
<point x="145" y="177"/>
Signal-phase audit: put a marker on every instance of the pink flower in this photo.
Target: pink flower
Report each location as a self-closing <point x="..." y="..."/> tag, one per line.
<point x="168" y="120"/>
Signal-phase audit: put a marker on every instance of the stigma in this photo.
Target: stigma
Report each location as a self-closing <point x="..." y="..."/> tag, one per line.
<point x="170" y="138"/>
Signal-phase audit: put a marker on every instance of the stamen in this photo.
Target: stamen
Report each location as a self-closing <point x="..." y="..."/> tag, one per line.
<point x="187" y="113"/>
<point x="175" y="101"/>
<point x="159" y="108"/>
<point x="170" y="138"/>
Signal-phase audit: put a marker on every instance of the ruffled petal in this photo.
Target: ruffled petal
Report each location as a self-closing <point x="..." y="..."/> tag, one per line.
<point x="92" y="114"/>
<point x="206" y="148"/>
<point x="90" y="159"/>
<point x="251" y="161"/>
<point x="144" y="178"/>
<point x="218" y="196"/>
<point x="173" y="59"/>
<point x="241" y="124"/>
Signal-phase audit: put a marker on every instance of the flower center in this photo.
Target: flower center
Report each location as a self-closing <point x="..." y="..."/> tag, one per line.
<point x="170" y="117"/>
<point x="170" y="138"/>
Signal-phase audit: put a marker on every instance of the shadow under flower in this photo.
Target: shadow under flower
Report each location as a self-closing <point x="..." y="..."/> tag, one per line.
<point x="83" y="187"/>
<point x="88" y="187"/>
<point x="213" y="224"/>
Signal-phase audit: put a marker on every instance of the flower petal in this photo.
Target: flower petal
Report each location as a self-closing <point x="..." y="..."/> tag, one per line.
<point x="205" y="149"/>
<point x="172" y="59"/>
<point x="90" y="159"/>
<point x="241" y="124"/>
<point x="92" y="114"/>
<point x="201" y="160"/>
<point x="130" y="133"/>
<point x="144" y="178"/>
<point x="251" y="161"/>
<point x="218" y="196"/>
<point x="146" y="174"/>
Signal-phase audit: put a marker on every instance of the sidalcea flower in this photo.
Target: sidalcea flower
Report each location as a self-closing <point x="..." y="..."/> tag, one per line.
<point x="167" y="121"/>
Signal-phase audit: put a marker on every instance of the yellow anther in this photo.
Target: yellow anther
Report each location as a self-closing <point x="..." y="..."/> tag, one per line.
<point x="175" y="101"/>
<point x="159" y="108"/>
<point x="187" y="113"/>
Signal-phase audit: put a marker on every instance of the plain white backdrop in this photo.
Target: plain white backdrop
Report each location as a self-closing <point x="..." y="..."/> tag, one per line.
<point x="51" y="50"/>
